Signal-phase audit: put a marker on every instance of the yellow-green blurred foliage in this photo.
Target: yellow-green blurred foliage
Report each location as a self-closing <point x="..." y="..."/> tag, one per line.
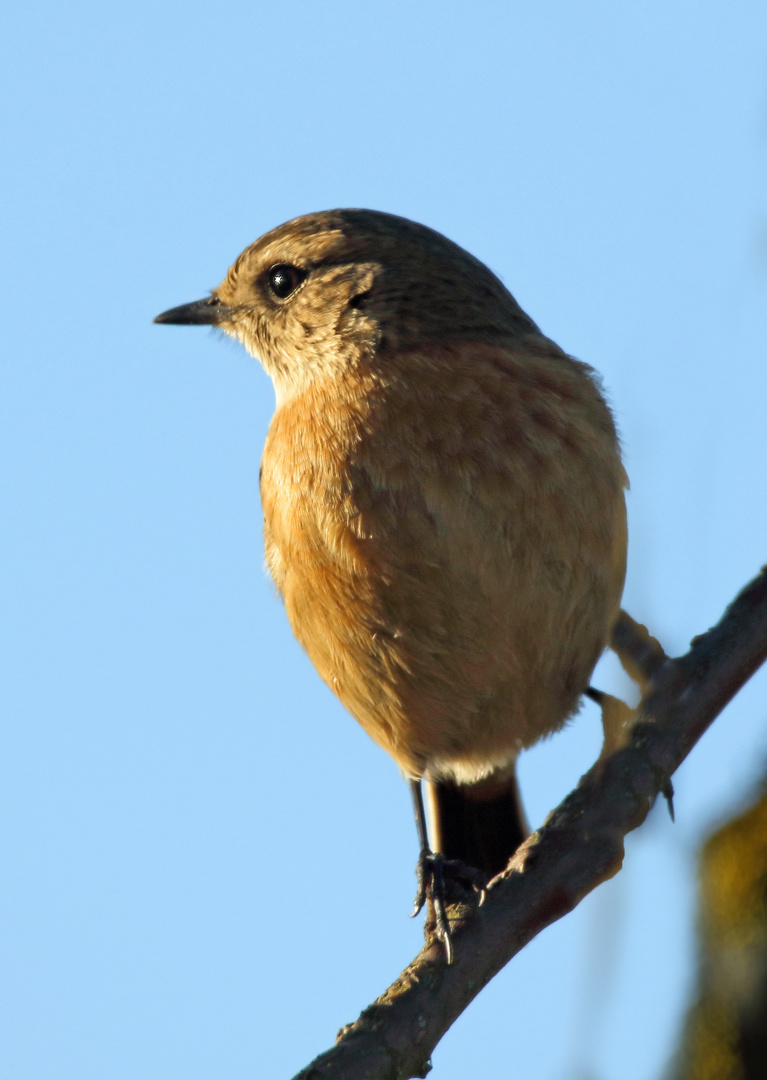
<point x="725" y="1037"/>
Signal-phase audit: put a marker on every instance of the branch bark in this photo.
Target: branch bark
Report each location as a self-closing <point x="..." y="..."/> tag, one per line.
<point x="579" y="846"/>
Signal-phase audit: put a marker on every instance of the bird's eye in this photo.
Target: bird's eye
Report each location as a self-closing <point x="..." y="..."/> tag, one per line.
<point x="284" y="278"/>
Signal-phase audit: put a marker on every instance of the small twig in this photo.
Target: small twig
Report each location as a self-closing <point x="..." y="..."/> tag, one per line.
<point x="640" y="653"/>
<point x="580" y="846"/>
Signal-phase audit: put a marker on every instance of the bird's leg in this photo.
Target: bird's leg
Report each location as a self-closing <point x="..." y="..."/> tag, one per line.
<point x="431" y="870"/>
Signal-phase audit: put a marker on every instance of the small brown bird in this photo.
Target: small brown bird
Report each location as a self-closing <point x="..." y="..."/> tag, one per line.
<point x="443" y="507"/>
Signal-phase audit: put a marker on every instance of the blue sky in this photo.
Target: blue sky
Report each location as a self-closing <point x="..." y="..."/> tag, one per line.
<point x="207" y="866"/>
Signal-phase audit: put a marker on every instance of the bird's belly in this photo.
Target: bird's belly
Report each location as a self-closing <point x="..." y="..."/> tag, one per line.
<point x="451" y="662"/>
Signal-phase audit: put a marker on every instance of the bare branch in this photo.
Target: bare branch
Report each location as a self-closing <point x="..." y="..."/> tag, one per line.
<point x="580" y="846"/>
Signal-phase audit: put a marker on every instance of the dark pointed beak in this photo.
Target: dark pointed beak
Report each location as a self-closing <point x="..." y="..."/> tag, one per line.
<point x="207" y="312"/>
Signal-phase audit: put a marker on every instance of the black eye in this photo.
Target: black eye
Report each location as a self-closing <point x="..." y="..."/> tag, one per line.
<point x="284" y="278"/>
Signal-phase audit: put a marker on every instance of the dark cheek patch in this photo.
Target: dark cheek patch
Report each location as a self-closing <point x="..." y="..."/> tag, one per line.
<point x="359" y="301"/>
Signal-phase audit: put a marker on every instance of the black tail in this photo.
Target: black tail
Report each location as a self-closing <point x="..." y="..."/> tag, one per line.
<point x="480" y="824"/>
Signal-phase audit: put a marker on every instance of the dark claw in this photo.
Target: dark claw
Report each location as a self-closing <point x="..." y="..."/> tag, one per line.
<point x="667" y="791"/>
<point x="431" y="871"/>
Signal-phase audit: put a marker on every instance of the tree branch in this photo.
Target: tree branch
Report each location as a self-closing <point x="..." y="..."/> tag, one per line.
<point x="579" y="846"/>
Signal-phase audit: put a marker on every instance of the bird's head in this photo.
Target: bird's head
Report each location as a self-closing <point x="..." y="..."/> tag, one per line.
<point x="341" y="287"/>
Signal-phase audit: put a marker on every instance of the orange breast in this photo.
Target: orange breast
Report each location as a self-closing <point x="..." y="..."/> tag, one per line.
<point x="448" y="534"/>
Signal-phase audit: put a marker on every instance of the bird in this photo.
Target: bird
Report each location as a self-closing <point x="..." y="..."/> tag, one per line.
<point x="444" y="509"/>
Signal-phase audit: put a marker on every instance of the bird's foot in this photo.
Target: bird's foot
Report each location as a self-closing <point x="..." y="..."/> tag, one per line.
<point x="435" y="874"/>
